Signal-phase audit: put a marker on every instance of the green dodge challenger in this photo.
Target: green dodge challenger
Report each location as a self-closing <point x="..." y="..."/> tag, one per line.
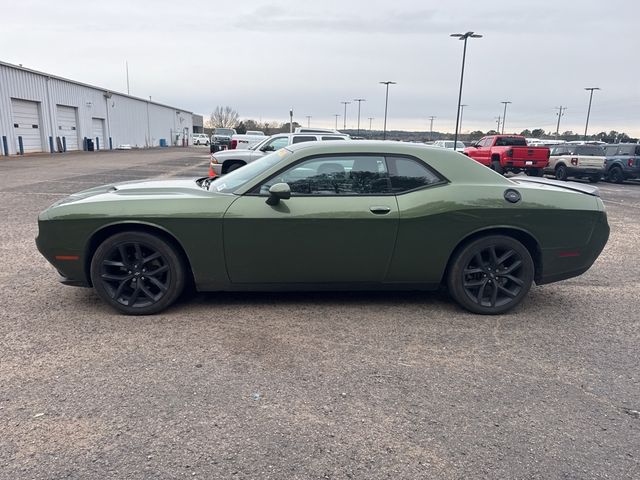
<point x="328" y="216"/>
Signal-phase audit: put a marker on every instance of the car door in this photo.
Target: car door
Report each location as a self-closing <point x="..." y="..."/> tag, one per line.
<point x="339" y="226"/>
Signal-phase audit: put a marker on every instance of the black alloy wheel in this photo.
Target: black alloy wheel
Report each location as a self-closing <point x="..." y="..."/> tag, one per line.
<point x="561" y="173"/>
<point x="491" y="275"/>
<point x="137" y="273"/>
<point x="616" y="175"/>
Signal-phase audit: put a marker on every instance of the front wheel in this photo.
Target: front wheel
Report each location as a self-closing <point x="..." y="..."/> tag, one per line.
<point x="137" y="273"/>
<point x="491" y="275"/>
<point x="561" y="173"/>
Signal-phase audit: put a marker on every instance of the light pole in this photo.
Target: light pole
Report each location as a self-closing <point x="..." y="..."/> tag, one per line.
<point x="359" y="100"/>
<point x="291" y="120"/>
<point x="336" y="115"/>
<point x="370" y="120"/>
<point x="431" y="118"/>
<point x="560" y="114"/>
<point x="504" y="114"/>
<point x="462" y="115"/>
<point x="344" y="126"/>
<point x="591" y="89"/>
<point x="386" y="104"/>
<point x="308" y="120"/>
<point x="462" y="36"/>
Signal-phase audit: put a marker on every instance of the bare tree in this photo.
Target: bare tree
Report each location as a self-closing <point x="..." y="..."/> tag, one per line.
<point x="224" y="117"/>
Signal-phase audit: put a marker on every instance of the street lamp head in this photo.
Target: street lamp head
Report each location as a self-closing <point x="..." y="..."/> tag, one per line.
<point x="464" y="36"/>
<point x="592" y="88"/>
<point x="359" y="100"/>
<point x="388" y="83"/>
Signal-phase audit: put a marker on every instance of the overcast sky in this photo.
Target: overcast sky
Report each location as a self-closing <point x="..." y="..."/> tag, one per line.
<point x="262" y="58"/>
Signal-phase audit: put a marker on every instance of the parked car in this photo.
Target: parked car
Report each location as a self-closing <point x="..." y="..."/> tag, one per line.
<point x="315" y="130"/>
<point x="328" y="215"/>
<point x="622" y="162"/>
<point x="230" y="160"/>
<point x="509" y="153"/>
<point x="201" y="139"/>
<point x="449" y="144"/>
<point x="576" y="161"/>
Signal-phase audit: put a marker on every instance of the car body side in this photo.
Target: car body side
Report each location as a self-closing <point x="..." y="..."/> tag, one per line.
<point x="431" y="224"/>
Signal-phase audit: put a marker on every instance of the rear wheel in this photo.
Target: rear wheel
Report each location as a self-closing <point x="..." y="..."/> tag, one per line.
<point x="534" y="172"/>
<point x="616" y="175"/>
<point x="561" y="172"/>
<point x="137" y="273"/>
<point x="491" y="275"/>
<point x="495" y="165"/>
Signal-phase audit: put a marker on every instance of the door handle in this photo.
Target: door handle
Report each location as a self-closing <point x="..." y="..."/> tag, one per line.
<point x="379" y="210"/>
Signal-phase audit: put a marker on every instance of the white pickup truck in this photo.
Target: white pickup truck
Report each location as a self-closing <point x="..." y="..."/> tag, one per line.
<point x="226" y="161"/>
<point x="247" y="140"/>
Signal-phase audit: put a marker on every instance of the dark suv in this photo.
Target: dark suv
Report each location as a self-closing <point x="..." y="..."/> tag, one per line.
<point x="622" y="162"/>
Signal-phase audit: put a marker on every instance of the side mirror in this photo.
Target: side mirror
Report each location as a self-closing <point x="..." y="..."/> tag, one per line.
<point x="277" y="192"/>
<point x="268" y="148"/>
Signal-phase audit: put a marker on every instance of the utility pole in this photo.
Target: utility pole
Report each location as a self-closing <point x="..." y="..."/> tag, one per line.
<point x="308" y="120"/>
<point x="586" y="126"/>
<point x="345" y="114"/>
<point x="431" y="128"/>
<point x="504" y="115"/>
<point x="370" y="120"/>
<point x="291" y="120"/>
<point x="359" y="100"/>
<point x="499" y="119"/>
<point x="560" y="114"/>
<point x="336" y="115"/>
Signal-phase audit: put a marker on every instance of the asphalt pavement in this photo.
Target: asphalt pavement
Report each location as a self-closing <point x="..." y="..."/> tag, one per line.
<point x="309" y="385"/>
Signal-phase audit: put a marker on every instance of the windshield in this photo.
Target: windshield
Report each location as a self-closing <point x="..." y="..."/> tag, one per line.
<point x="230" y="182"/>
<point x="223" y="131"/>
<point x="511" y="142"/>
<point x="450" y="144"/>
<point x="259" y="144"/>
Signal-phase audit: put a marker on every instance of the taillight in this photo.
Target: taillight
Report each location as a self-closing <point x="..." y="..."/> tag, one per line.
<point x="630" y="162"/>
<point x="234" y="144"/>
<point x="510" y="153"/>
<point x="574" y="162"/>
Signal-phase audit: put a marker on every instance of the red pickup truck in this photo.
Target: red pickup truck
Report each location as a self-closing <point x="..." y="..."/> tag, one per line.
<point x="509" y="153"/>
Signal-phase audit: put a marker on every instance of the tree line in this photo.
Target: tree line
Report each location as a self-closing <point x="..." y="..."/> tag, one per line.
<point x="227" y="117"/>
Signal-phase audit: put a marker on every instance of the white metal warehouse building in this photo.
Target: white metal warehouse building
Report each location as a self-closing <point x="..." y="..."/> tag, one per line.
<point x="45" y="113"/>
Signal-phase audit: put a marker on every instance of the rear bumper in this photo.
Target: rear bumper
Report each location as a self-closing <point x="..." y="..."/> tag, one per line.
<point x="525" y="164"/>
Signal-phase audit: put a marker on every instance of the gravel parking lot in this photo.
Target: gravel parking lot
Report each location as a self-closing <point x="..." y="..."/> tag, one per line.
<point x="313" y="385"/>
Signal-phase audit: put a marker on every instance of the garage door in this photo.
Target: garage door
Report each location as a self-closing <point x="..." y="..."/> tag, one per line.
<point x="67" y="126"/>
<point x="98" y="133"/>
<point x="26" y="124"/>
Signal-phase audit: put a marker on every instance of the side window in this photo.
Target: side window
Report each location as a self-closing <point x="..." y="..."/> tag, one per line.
<point x="334" y="175"/>
<point x="332" y="138"/>
<point x="611" y="150"/>
<point x="300" y="139"/>
<point x="487" y="142"/>
<point x="276" y="144"/>
<point x="407" y="174"/>
<point x="626" y="150"/>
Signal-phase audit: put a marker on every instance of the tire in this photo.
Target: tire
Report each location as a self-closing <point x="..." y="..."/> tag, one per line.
<point x="534" y="172"/>
<point x="561" y="173"/>
<point x="495" y="165"/>
<point x="616" y="175"/>
<point x="490" y="275"/>
<point x="137" y="273"/>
